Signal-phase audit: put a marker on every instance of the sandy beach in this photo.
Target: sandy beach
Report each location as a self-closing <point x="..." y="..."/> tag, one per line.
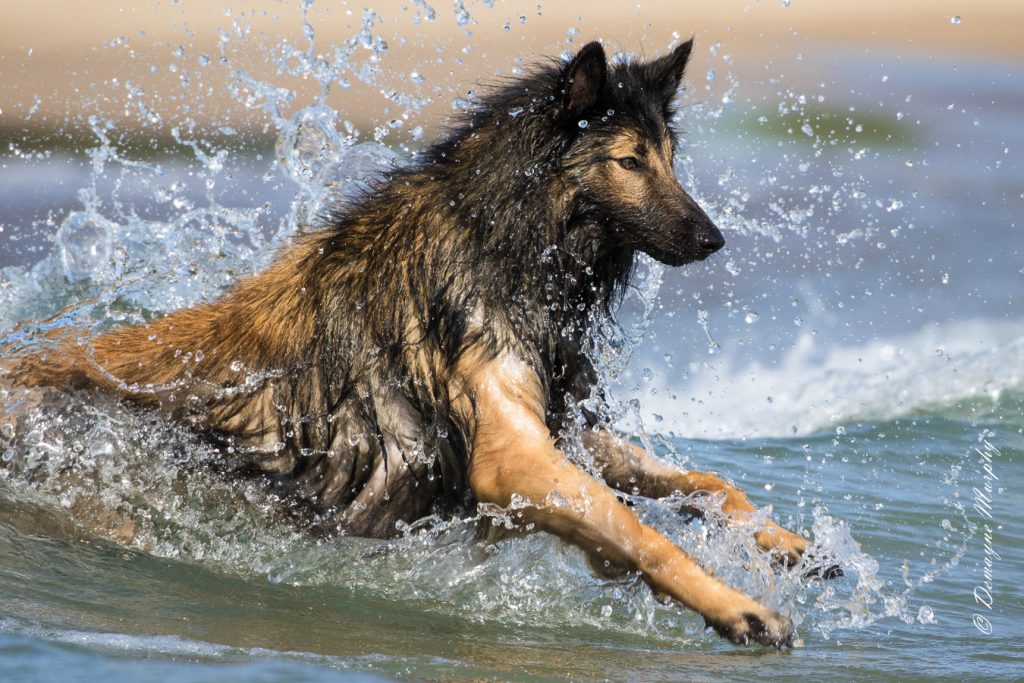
<point x="61" y="61"/>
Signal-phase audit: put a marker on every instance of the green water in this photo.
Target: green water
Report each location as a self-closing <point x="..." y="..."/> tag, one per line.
<point x="441" y="605"/>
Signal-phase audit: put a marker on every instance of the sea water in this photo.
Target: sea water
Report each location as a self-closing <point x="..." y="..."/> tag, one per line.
<point x="853" y="359"/>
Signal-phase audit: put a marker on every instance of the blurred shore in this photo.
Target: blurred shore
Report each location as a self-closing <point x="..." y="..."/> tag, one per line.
<point x="157" y="65"/>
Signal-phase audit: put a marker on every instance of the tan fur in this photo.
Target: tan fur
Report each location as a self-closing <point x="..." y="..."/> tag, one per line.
<point x="514" y="456"/>
<point x="264" y="316"/>
<point x="629" y="468"/>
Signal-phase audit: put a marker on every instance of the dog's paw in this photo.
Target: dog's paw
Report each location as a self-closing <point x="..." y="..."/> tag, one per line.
<point x="765" y="627"/>
<point x="790" y="551"/>
<point x="820" y="568"/>
<point x="788" y="546"/>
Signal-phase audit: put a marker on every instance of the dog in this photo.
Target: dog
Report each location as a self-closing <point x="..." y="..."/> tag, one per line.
<point x="416" y="355"/>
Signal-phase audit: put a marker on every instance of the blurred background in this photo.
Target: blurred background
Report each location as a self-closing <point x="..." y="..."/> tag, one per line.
<point x="61" y="57"/>
<point x="62" y="61"/>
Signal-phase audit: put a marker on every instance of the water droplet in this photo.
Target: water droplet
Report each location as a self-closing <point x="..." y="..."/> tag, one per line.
<point x="428" y="12"/>
<point x="955" y="20"/>
<point x="461" y="15"/>
<point x="84" y="245"/>
<point x="583" y="123"/>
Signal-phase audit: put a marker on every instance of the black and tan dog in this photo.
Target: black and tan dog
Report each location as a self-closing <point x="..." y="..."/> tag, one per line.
<point x="416" y="355"/>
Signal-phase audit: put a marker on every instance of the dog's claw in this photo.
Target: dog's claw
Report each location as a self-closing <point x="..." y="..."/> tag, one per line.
<point x="809" y="565"/>
<point x="826" y="572"/>
<point x="790" y="550"/>
<point x="769" y="629"/>
<point x="789" y="547"/>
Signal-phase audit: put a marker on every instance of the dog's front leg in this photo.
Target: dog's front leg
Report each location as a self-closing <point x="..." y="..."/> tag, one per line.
<point x="631" y="469"/>
<point x="515" y="464"/>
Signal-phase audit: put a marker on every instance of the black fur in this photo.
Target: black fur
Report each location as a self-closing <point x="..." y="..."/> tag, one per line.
<point x="488" y="223"/>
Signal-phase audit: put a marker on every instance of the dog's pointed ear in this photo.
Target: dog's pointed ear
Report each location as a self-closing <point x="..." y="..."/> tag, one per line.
<point x="582" y="82"/>
<point x="667" y="71"/>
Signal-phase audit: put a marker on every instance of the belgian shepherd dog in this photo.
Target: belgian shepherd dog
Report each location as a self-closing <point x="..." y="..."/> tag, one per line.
<point x="416" y="354"/>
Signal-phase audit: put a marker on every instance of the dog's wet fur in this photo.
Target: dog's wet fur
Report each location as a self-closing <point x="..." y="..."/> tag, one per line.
<point x="416" y="354"/>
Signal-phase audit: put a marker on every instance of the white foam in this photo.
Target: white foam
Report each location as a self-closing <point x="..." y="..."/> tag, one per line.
<point x="817" y="387"/>
<point x="176" y="647"/>
<point x="172" y="646"/>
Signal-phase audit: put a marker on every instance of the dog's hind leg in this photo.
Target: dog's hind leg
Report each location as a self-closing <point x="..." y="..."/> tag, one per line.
<point x="633" y="470"/>
<point x="514" y="464"/>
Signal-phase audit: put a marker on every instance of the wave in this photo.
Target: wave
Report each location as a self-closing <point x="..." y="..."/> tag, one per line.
<point x="187" y="656"/>
<point x="956" y="369"/>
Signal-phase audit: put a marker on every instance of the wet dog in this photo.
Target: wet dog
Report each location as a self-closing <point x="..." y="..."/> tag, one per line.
<point x="415" y="355"/>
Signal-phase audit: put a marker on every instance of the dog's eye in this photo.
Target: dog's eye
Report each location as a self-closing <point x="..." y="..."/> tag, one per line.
<point x="629" y="163"/>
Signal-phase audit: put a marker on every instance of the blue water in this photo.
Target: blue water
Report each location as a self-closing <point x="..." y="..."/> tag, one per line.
<point x="853" y="358"/>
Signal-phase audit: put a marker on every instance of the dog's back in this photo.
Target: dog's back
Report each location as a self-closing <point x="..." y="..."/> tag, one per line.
<point x="250" y="371"/>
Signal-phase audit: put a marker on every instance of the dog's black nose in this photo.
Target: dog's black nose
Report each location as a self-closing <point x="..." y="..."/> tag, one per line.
<point x="710" y="239"/>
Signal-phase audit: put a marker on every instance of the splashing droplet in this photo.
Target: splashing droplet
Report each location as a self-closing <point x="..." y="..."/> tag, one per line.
<point x="461" y="14"/>
<point x="84" y="245"/>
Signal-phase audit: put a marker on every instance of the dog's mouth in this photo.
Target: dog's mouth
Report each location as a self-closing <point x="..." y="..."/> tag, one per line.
<point x="697" y="250"/>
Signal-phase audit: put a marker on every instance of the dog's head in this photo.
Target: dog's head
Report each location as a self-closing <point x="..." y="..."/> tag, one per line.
<point x="622" y="151"/>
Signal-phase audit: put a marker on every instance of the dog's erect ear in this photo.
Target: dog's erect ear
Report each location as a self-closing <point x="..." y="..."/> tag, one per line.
<point x="583" y="81"/>
<point x="667" y="72"/>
